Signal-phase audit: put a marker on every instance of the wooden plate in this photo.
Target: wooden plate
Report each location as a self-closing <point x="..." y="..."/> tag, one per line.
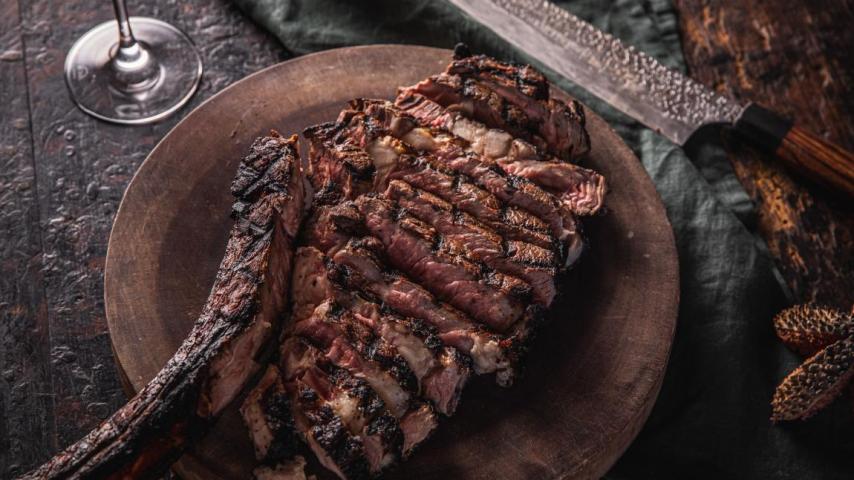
<point x="596" y="369"/>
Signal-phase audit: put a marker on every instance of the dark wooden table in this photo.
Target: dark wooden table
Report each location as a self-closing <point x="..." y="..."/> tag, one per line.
<point x="62" y="175"/>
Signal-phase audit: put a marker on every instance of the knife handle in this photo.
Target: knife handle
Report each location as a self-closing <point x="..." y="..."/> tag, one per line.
<point x="801" y="151"/>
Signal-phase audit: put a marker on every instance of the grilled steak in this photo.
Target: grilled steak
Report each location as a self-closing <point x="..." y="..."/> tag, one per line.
<point x="514" y="98"/>
<point x="222" y="352"/>
<point x="581" y="190"/>
<point x="431" y="127"/>
<point x="440" y="224"/>
<point x="516" y="206"/>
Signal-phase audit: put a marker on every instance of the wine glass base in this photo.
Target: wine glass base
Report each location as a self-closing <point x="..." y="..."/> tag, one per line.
<point x="98" y="91"/>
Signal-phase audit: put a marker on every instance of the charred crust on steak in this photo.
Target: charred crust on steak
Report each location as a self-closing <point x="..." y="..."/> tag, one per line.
<point x="277" y="412"/>
<point x="328" y="431"/>
<point x="418" y="205"/>
<point x="388" y="428"/>
<point x="370" y="404"/>
<point x="178" y="406"/>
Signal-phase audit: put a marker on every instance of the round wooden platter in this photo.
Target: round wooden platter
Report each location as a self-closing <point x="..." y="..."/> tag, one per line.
<point x="595" y="370"/>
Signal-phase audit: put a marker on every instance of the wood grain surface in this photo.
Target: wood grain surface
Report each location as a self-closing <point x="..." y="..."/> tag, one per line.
<point x="592" y="378"/>
<point x="26" y="409"/>
<point x="795" y="58"/>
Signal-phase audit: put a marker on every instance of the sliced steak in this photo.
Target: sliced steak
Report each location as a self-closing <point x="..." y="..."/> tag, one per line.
<point x="467" y="237"/>
<point x="509" y="220"/>
<point x="510" y="189"/>
<point x="439" y="225"/>
<point x="494" y="200"/>
<point x="222" y="352"/>
<point x="342" y="419"/>
<point x="325" y="432"/>
<point x="475" y="99"/>
<point x="336" y="170"/>
<point x="418" y="250"/>
<point x="340" y="322"/>
<point x="580" y="189"/>
<point x="267" y="414"/>
<point x="469" y="172"/>
<point x="356" y="266"/>
<point x="514" y="98"/>
<point x="441" y="372"/>
<point x="323" y="328"/>
<point x="512" y="222"/>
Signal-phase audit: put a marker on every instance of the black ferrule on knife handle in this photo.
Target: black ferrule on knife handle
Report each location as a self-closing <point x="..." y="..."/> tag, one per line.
<point x="762" y="128"/>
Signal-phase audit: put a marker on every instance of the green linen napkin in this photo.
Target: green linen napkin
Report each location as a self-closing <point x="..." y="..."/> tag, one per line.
<point x="711" y="419"/>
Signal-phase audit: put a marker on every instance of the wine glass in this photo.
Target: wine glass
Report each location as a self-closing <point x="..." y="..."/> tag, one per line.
<point x="141" y="76"/>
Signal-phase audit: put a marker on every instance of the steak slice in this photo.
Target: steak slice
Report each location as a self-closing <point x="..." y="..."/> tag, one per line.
<point x="377" y="140"/>
<point x="417" y="419"/>
<point x="334" y="324"/>
<point x="449" y="134"/>
<point x="337" y="169"/>
<point x="506" y="218"/>
<point x="223" y="351"/>
<point x="468" y="238"/>
<point x="267" y="414"/>
<point x="512" y="222"/>
<point x="351" y="398"/>
<point x="442" y="371"/>
<point x="313" y="410"/>
<point x="356" y="266"/>
<point x="469" y="172"/>
<point x="346" y="410"/>
<point x="418" y="250"/>
<point x="345" y="331"/>
<point x="514" y="98"/>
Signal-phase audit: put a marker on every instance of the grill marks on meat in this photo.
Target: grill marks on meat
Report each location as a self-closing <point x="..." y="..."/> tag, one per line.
<point x="357" y="266"/>
<point x="580" y="189"/>
<point x="439" y="225"/>
<point x="514" y="98"/>
<point x="222" y="352"/>
<point x="468" y="168"/>
<point x="415" y="248"/>
<point x="509" y="220"/>
<point x="346" y="343"/>
<point x="440" y="371"/>
<point x="267" y="412"/>
<point x="466" y="237"/>
<point x="337" y="169"/>
<point x="455" y="171"/>
<point x="338" y="415"/>
<point x="394" y="360"/>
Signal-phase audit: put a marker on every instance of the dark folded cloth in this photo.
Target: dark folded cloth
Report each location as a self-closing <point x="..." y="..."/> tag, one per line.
<point x="711" y="419"/>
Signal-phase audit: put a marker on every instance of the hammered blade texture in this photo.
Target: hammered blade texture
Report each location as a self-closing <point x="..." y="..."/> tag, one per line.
<point x="628" y="79"/>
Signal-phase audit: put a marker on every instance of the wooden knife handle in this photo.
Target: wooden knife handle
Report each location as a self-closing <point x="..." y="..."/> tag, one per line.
<point x="801" y="151"/>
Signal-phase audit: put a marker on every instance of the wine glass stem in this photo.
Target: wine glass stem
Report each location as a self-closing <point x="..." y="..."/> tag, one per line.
<point x="126" y="39"/>
<point x="134" y="68"/>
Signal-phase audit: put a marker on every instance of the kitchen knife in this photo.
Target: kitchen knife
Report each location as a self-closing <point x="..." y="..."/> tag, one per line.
<point x="660" y="98"/>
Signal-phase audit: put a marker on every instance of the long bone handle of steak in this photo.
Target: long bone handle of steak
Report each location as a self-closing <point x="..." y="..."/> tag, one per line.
<point x="220" y="355"/>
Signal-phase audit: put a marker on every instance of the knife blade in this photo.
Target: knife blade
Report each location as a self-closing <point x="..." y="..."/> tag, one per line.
<point x="638" y="85"/>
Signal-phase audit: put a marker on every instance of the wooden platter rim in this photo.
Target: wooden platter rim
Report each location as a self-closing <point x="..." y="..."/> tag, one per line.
<point x="670" y="260"/>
